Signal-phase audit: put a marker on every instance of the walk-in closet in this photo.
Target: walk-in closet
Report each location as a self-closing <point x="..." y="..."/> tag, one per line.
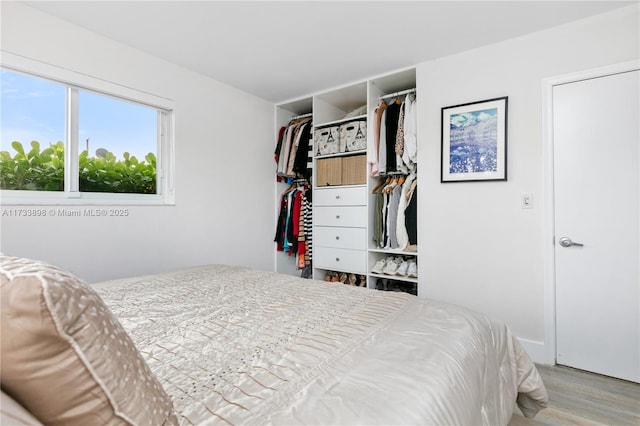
<point x="362" y="177"/>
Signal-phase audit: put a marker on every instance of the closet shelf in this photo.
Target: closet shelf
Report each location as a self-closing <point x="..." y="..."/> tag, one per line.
<point x="394" y="251"/>
<point x="342" y="120"/>
<point x="343" y="154"/>
<point x="394" y="277"/>
<point x="321" y="188"/>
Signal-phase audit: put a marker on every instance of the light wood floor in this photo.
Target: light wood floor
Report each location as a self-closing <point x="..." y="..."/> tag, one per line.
<point x="577" y="397"/>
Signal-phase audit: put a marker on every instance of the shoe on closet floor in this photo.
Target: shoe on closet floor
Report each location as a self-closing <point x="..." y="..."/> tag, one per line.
<point x="412" y="271"/>
<point x="392" y="265"/>
<point x="379" y="266"/>
<point x="402" y="269"/>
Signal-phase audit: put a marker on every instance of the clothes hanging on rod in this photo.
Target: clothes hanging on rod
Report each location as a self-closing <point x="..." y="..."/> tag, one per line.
<point x="373" y="147"/>
<point x="293" y="230"/>
<point x="393" y="147"/>
<point x="411" y="218"/>
<point x="294" y="165"/>
<point x="395" y="213"/>
<point x="293" y="149"/>
<point x="410" y="136"/>
<point x="305" y="262"/>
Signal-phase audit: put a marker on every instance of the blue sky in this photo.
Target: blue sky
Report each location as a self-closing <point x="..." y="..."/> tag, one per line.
<point x="34" y="109"/>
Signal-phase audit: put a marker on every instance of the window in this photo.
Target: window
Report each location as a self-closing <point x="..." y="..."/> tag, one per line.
<point x="79" y="143"/>
<point x="118" y="145"/>
<point x="33" y="122"/>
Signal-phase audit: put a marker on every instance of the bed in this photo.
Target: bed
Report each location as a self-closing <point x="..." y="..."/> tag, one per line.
<point x="222" y="344"/>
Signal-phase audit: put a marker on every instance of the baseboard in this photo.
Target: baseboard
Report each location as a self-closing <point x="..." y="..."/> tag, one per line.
<point x="535" y="350"/>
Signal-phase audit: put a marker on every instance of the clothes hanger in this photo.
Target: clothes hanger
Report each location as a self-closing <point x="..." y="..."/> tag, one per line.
<point x="387" y="183"/>
<point x="378" y="185"/>
<point x="391" y="185"/>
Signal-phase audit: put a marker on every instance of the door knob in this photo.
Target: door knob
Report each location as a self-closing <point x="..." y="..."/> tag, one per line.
<point x="566" y="242"/>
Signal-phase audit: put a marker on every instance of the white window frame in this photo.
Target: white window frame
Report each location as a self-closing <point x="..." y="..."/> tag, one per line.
<point x="74" y="81"/>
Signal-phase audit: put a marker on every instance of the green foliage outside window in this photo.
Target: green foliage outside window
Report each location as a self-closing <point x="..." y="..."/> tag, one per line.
<point x="37" y="170"/>
<point x="107" y="174"/>
<point x="33" y="170"/>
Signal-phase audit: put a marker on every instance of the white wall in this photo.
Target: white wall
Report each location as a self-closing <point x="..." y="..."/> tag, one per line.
<point x="224" y="172"/>
<point x="478" y="247"/>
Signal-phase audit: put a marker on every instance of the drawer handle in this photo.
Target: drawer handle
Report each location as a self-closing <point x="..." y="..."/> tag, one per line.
<point x="337" y="216"/>
<point x="337" y="197"/>
<point x="337" y="237"/>
<point x="337" y="259"/>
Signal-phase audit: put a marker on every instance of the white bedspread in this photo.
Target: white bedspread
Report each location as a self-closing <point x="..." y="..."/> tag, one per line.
<point x="239" y="346"/>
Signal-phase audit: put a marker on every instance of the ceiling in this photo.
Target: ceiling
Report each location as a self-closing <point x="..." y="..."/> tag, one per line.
<point x="282" y="50"/>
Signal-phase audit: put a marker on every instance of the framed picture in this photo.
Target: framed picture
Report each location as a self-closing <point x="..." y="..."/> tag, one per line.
<point x="474" y="141"/>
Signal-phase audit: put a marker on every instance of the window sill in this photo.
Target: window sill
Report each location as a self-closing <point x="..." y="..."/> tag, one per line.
<point x="29" y="198"/>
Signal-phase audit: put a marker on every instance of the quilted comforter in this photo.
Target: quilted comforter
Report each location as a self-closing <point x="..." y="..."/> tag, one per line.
<point x="233" y="345"/>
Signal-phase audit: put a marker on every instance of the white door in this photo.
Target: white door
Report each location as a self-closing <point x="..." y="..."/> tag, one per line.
<point x="596" y="138"/>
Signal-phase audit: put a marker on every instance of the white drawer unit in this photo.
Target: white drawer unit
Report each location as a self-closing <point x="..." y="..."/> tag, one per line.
<point x="340" y="229"/>
<point x="353" y="196"/>
<point x="353" y="216"/>
<point x="348" y="238"/>
<point x="337" y="259"/>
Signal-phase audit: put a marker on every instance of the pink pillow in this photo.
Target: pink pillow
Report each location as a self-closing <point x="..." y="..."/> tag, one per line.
<point x="66" y="358"/>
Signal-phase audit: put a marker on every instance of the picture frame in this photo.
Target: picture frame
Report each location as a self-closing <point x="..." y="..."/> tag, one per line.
<point x="474" y="141"/>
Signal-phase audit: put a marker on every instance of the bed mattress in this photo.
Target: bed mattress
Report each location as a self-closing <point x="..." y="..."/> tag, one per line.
<point x="232" y="345"/>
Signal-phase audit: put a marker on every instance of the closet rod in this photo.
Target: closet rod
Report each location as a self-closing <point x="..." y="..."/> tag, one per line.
<point x="296" y="117"/>
<point x="402" y="92"/>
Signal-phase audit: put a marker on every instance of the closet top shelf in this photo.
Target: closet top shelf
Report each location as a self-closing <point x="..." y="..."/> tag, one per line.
<point x="342" y="120"/>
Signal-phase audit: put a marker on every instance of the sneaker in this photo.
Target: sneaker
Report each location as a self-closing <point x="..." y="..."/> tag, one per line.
<point x="379" y="266"/>
<point x="403" y="268"/>
<point x="412" y="271"/>
<point x="392" y="266"/>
